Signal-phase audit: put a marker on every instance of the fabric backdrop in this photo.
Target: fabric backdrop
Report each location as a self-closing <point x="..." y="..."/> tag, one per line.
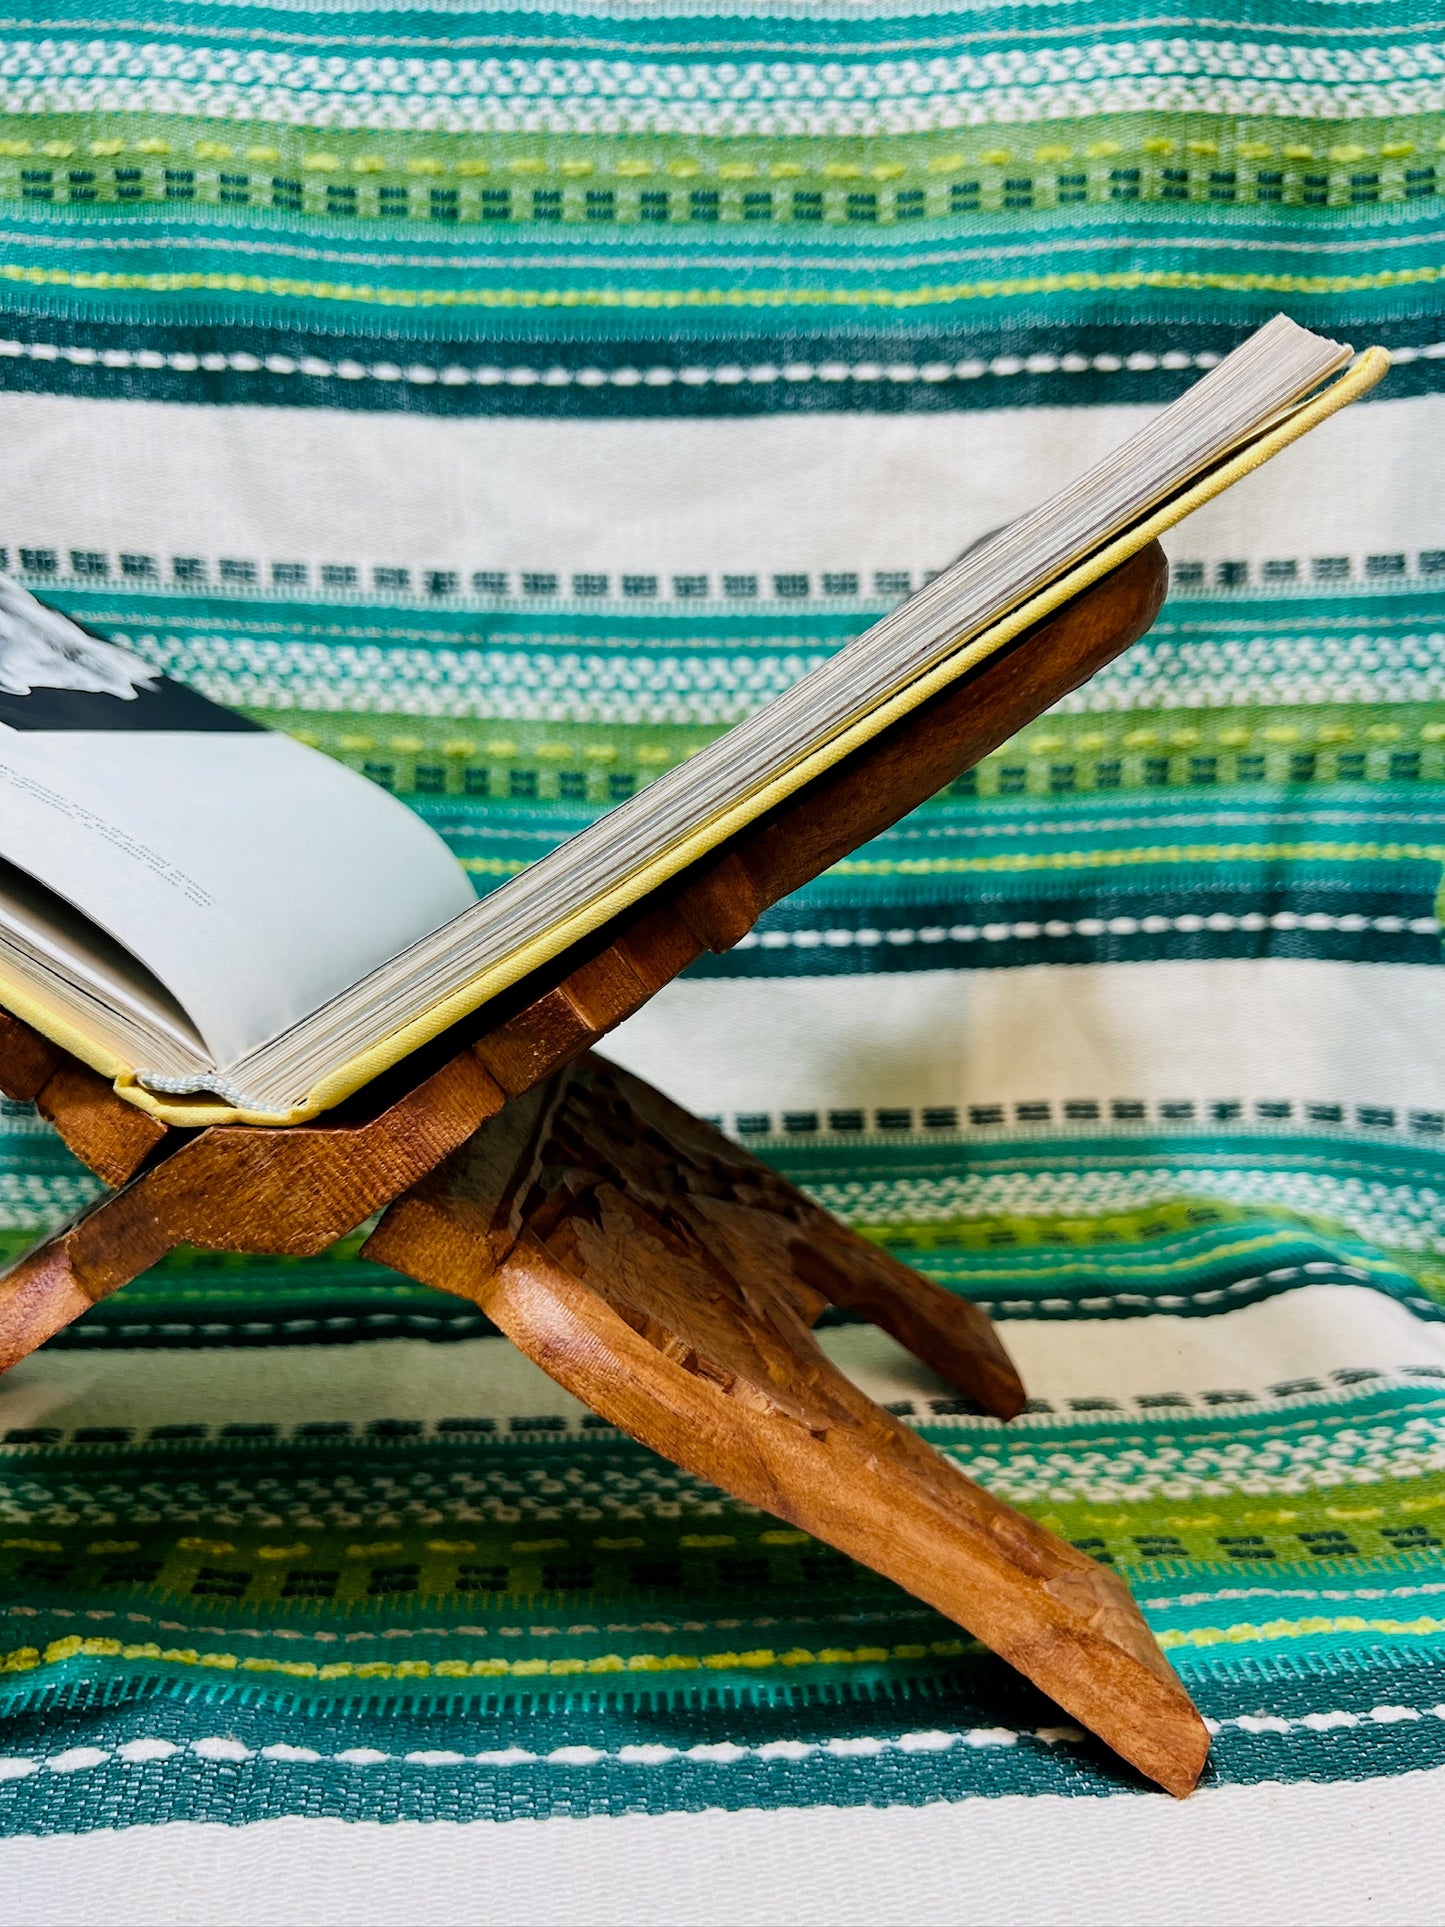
<point x="507" y="400"/>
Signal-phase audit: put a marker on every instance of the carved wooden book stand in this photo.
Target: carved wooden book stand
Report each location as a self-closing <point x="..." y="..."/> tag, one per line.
<point x="658" y="1272"/>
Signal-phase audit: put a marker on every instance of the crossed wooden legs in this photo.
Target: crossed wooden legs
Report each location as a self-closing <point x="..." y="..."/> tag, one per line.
<point x="670" y="1281"/>
<point x="656" y="1271"/>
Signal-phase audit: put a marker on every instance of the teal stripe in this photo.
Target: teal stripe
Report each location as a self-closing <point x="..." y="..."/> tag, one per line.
<point x="1151" y="274"/>
<point x="1353" y="23"/>
<point x="701" y="664"/>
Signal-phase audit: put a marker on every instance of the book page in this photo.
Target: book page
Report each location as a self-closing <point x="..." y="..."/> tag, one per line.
<point x="255" y="878"/>
<point x="42" y="936"/>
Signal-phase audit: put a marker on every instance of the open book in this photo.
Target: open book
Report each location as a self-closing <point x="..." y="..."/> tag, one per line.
<point x="234" y="928"/>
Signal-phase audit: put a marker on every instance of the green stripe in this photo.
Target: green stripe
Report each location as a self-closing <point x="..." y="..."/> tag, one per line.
<point x="1125" y="162"/>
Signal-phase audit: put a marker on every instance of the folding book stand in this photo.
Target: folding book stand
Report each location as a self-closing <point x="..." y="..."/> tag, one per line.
<point x="655" y="1270"/>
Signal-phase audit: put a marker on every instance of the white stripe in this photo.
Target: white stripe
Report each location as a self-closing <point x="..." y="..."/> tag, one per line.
<point x="768" y="374"/>
<point x="1255" y="1029"/>
<point x="425" y="374"/>
<point x="149" y="1752"/>
<point x="900" y="95"/>
<point x="390" y="1376"/>
<point x="1242" y="1856"/>
<point x="1315" y="1331"/>
<point x="1057" y="928"/>
<point x="812" y="491"/>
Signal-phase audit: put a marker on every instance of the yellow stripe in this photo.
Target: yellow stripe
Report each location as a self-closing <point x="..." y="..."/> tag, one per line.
<point x="1154" y="853"/>
<point x="28" y="1659"/>
<point x="1070" y="1268"/>
<point x="288" y="287"/>
<point x="1244" y="1633"/>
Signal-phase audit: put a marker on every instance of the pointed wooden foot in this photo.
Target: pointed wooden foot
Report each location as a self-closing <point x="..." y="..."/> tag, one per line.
<point x="670" y="1281"/>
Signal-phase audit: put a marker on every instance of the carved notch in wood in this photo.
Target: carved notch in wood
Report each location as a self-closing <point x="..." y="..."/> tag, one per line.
<point x="670" y="1281"/>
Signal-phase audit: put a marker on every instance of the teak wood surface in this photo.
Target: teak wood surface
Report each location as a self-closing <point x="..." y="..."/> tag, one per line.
<point x="707" y="1358"/>
<point x="671" y="1281"/>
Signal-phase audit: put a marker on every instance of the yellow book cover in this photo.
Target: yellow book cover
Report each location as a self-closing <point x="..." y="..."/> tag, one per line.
<point x="168" y="969"/>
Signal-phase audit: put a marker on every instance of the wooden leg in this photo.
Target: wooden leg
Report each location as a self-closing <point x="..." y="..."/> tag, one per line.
<point x="109" y="1135"/>
<point x="293" y="1191"/>
<point x="670" y="1281"/>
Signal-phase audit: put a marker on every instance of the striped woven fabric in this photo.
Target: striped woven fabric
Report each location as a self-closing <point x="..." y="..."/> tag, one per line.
<point x="507" y="401"/>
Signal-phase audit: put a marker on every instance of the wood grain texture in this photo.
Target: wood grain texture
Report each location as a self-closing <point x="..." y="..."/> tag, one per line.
<point x="26" y="1060"/>
<point x="293" y="1192"/>
<point x="103" y="1131"/>
<point x="671" y="1281"/>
